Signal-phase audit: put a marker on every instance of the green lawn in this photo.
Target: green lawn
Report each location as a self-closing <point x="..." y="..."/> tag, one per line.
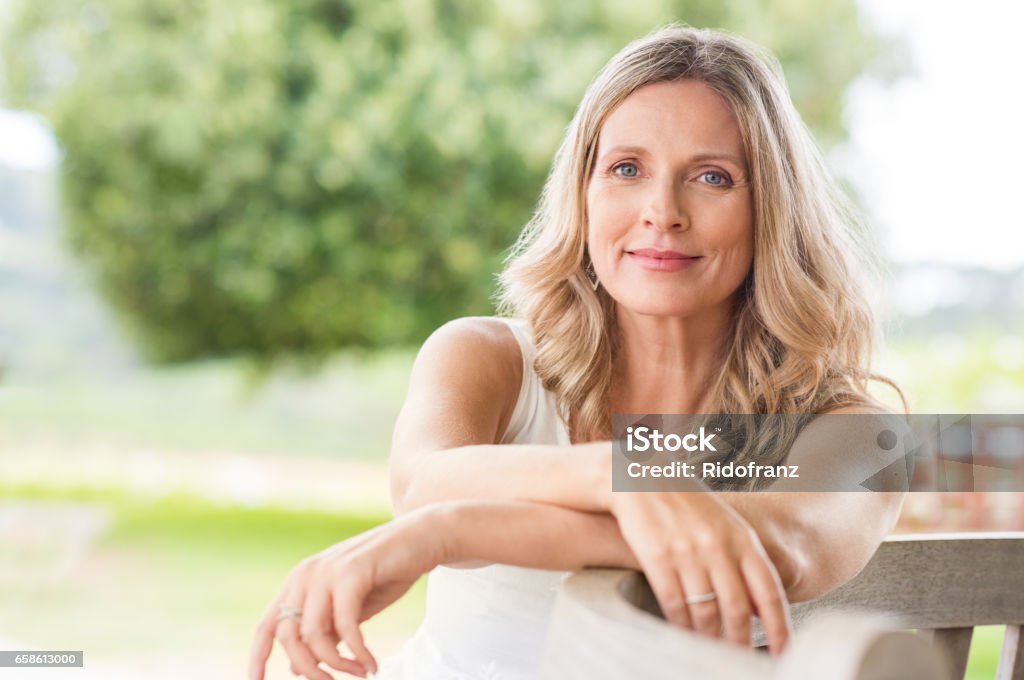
<point x="177" y="575"/>
<point x="985" y="646"/>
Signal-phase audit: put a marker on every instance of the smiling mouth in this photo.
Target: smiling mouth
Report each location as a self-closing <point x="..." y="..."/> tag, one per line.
<point x="662" y="254"/>
<point x="662" y="260"/>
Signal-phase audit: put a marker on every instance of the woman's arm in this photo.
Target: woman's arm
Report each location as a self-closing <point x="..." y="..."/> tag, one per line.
<point x="462" y="391"/>
<point x="832" y="533"/>
<point x="328" y="595"/>
<point x="461" y="395"/>
<point x="476" y="533"/>
<point x="818" y="541"/>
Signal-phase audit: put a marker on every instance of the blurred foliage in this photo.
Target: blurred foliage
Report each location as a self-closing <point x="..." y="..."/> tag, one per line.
<point x="346" y="411"/>
<point x="263" y="177"/>
<point x="982" y="370"/>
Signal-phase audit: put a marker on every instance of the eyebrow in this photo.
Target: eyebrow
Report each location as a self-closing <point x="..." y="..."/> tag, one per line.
<point x="706" y="156"/>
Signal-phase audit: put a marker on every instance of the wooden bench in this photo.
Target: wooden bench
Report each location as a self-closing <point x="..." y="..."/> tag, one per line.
<point x="607" y="624"/>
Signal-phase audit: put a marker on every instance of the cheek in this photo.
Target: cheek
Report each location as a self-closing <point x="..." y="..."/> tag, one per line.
<point x="745" y="261"/>
<point x="592" y="210"/>
<point x="730" y="233"/>
<point x="606" y="213"/>
<point x="744" y="239"/>
<point x="743" y="248"/>
<point x="734" y="226"/>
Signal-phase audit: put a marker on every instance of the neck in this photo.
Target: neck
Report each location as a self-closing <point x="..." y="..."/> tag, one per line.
<point x="667" y="364"/>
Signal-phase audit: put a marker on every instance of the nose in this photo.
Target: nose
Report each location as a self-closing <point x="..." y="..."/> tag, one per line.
<point x="664" y="210"/>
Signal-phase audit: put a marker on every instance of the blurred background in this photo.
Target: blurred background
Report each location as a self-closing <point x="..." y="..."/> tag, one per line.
<point x="225" y="228"/>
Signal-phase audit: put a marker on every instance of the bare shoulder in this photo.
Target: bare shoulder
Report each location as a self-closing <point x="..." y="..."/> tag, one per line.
<point x="482" y="331"/>
<point x="863" y="420"/>
<point x="465" y="382"/>
<point x="479" y="344"/>
<point x="866" y="420"/>
<point x="848" y="449"/>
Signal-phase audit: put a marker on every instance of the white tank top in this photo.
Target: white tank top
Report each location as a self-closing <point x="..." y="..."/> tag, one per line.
<point x="490" y="623"/>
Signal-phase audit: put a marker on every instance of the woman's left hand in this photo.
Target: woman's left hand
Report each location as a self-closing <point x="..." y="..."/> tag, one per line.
<point x="705" y="563"/>
<point x="327" y="596"/>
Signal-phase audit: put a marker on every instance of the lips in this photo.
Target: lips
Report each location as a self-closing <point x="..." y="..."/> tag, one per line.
<point x="654" y="259"/>
<point x="661" y="254"/>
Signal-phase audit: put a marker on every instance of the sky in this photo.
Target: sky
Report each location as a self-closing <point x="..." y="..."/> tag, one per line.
<point x="936" y="156"/>
<point x="26" y="141"/>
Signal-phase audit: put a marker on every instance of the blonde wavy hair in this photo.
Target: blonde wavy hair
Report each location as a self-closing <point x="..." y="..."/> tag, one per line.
<point x="803" y="330"/>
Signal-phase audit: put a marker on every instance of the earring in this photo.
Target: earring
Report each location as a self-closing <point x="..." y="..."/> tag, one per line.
<point x="595" y="282"/>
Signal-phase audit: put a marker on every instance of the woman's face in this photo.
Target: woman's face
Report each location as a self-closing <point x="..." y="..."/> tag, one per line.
<point x="670" y="219"/>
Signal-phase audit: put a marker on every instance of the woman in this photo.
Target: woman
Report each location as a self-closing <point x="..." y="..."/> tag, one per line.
<point x="690" y="254"/>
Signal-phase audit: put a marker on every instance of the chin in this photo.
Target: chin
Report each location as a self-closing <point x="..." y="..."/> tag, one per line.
<point x="660" y="305"/>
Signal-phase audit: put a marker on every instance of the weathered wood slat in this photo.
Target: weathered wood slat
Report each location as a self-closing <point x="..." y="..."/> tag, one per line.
<point x="935" y="581"/>
<point x="955" y="643"/>
<point x="849" y="646"/>
<point x="1011" y="659"/>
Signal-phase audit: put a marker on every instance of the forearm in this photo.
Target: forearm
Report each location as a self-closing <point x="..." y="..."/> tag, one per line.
<point x="528" y="534"/>
<point x="567" y="476"/>
<point x="817" y="541"/>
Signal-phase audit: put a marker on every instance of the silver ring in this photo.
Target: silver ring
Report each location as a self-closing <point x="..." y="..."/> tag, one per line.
<point x="288" y="612"/>
<point x="697" y="599"/>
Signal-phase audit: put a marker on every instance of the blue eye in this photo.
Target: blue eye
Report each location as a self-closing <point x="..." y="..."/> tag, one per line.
<point x="626" y="170"/>
<point x="715" y="178"/>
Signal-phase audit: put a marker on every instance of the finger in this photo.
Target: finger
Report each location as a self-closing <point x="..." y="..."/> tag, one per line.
<point x="765" y="588"/>
<point x="302" y="660"/>
<point x="347" y="606"/>
<point x="337" y="661"/>
<point x="704" y="615"/>
<point x="665" y="584"/>
<point x="263" y="641"/>
<point x="317" y="632"/>
<point x="734" y="602"/>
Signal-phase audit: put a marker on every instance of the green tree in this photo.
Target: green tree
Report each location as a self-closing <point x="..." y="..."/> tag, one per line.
<point x="267" y="177"/>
